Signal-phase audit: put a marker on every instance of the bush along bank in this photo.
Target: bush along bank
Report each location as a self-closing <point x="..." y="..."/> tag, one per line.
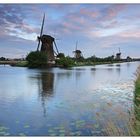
<point x="37" y="59"/>
<point x="65" y="62"/>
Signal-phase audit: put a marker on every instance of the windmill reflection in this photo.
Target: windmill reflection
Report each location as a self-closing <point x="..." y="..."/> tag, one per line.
<point x="128" y="64"/>
<point x="46" y="90"/>
<point x="47" y="80"/>
<point x="118" y="70"/>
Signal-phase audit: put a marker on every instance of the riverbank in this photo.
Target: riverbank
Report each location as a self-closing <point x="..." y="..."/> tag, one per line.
<point x="77" y="64"/>
<point x="137" y="103"/>
<point x="19" y="63"/>
<point x="96" y="63"/>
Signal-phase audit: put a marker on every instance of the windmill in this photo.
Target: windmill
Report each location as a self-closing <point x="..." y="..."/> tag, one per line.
<point x="48" y="43"/>
<point x="118" y="55"/>
<point x="77" y="53"/>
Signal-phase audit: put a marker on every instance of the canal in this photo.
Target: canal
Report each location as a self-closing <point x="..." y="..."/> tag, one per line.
<point x="82" y="101"/>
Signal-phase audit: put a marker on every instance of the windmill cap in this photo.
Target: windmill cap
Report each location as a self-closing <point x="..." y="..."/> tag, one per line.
<point x="77" y="51"/>
<point x="48" y="37"/>
<point x="118" y="53"/>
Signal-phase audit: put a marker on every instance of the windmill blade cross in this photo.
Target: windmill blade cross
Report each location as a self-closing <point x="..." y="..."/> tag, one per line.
<point x="38" y="45"/>
<point x="76" y="44"/>
<point x="56" y="47"/>
<point x="41" y="31"/>
<point x="55" y="53"/>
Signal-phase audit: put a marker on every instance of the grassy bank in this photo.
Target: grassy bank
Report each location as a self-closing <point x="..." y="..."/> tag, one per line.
<point x="21" y="64"/>
<point x="95" y="63"/>
<point x="137" y="103"/>
<point x="67" y="63"/>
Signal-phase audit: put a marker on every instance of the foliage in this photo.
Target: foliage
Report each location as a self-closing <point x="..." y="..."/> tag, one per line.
<point x="60" y="55"/>
<point x="36" y="59"/>
<point x="65" y="62"/>
<point x="2" y="58"/>
<point x="80" y="59"/>
<point x="137" y="87"/>
<point x="97" y="59"/>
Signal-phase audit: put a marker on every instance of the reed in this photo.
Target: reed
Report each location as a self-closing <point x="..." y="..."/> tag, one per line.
<point x="137" y="103"/>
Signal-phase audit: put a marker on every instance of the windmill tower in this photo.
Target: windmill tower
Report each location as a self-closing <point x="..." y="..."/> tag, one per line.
<point x="118" y="55"/>
<point x="77" y="53"/>
<point x="48" y="43"/>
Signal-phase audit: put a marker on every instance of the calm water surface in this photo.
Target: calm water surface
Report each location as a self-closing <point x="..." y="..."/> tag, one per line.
<point x="87" y="101"/>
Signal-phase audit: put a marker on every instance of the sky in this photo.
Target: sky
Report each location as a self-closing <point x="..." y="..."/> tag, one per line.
<point x="99" y="29"/>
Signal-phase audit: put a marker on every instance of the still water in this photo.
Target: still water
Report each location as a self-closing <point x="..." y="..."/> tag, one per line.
<point x="86" y="101"/>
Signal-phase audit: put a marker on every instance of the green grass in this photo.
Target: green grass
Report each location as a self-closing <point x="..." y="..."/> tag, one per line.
<point x="95" y="63"/>
<point x="137" y="88"/>
<point x="21" y="64"/>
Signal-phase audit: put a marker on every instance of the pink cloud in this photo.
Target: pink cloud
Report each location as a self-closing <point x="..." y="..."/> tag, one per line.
<point x="80" y="20"/>
<point x="113" y="11"/>
<point x="110" y="24"/>
<point x="89" y="13"/>
<point x="130" y="34"/>
<point x="75" y="19"/>
<point x="29" y="28"/>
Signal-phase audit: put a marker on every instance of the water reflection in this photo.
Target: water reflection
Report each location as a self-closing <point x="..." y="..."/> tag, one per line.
<point x="63" y="75"/>
<point x="78" y="75"/>
<point x="110" y="65"/>
<point x="128" y="64"/>
<point x="47" y="84"/>
<point x="118" y="65"/>
<point x="47" y="80"/>
<point x="118" y="70"/>
<point x="110" y="70"/>
<point x="93" y="69"/>
<point x="84" y="101"/>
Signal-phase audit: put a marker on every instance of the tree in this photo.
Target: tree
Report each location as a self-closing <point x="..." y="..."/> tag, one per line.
<point x="2" y="58"/>
<point x="60" y="55"/>
<point x="37" y="59"/>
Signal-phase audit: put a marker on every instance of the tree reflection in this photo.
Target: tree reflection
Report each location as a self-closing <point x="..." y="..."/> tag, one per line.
<point x="110" y="69"/>
<point x="78" y="75"/>
<point x="63" y="75"/>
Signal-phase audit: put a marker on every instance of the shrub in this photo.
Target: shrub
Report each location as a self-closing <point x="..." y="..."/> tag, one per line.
<point x="65" y="62"/>
<point x="2" y="59"/>
<point x="36" y="59"/>
<point x="60" y="55"/>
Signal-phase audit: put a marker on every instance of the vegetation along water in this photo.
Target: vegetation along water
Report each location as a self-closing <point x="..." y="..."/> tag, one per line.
<point x="137" y="103"/>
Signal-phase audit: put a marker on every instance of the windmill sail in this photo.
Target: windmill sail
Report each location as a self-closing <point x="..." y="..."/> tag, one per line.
<point x="41" y="31"/>
<point x="56" y="47"/>
<point x="76" y="45"/>
<point x="119" y="50"/>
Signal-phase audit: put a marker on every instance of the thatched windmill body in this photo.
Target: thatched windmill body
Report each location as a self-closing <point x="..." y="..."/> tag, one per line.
<point x="118" y="55"/>
<point x="47" y="44"/>
<point x="77" y="53"/>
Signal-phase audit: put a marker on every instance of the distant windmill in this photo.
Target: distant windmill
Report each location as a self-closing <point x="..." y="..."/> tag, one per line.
<point x="118" y="55"/>
<point x="77" y="53"/>
<point x="47" y="44"/>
